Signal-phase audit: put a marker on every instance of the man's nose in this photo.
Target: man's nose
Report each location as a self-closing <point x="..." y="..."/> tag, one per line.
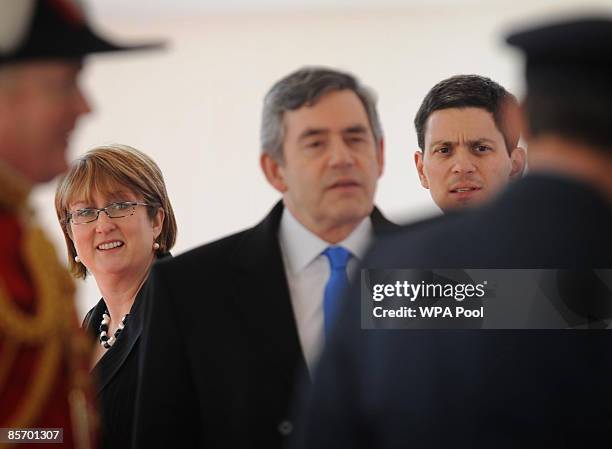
<point x="81" y="103"/>
<point x="341" y="153"/>
<point x="463" y="162"/>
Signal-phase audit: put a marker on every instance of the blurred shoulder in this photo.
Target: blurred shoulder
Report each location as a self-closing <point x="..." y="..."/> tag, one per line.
<point x="216" y="252"/>
<point x="413" y="243"/>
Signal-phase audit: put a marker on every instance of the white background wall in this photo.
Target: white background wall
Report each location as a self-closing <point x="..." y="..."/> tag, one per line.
<point x="195" y="107"/>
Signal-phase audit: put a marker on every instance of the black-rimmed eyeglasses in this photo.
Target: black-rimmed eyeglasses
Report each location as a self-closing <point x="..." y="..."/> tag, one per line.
<point x="113" y="210"/>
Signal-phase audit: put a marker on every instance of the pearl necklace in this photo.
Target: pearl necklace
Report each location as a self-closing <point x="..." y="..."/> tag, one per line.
<point x="105" y="340"/>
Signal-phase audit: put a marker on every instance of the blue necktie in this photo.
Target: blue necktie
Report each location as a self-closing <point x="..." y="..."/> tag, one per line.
<point x="336" y="285"/>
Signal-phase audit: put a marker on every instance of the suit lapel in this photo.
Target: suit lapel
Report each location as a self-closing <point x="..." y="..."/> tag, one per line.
<point x="262" y="297"/>
<point x="91" y="323"/>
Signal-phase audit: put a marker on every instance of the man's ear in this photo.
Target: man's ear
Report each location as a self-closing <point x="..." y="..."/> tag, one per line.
<point x="273" y="172"/>
<point x="517" y="158"/>
<point x="380" y="157"/>
<point x="418" y="162"/>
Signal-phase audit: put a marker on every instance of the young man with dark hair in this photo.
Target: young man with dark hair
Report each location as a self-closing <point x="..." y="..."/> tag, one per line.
<point x="468" y="135"/>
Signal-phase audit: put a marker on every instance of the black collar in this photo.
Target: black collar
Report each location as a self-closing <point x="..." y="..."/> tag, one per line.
<point x="114" y="358"/>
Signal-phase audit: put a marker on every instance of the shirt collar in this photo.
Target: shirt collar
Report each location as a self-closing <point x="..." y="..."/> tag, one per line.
<point x="300" y="246"/>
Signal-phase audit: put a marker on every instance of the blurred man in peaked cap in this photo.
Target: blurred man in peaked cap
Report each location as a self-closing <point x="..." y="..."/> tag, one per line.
<point x="43" y="359"/>
<point x="502" y="389"/>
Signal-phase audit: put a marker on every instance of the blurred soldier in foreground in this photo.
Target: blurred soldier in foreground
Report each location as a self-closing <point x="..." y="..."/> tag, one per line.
<point x="43" y="358"/>
<point x="496" y="388"/>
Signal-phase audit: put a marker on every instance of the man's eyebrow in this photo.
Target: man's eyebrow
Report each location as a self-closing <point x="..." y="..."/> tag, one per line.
<point x="447" y="143"/>
<point x="310" y="132"/>
<point x="470" y="143"/>
<point x="479" y="141"/>
<point x="355" y="129"/>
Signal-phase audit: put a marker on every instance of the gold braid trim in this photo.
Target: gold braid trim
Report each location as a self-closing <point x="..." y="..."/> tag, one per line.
<point x="51" y="290"/>
<point x="42" y="381"/>
<point x="83" y="415"/>
<point x="51" y="329"/>
<point x="80" y="415"/>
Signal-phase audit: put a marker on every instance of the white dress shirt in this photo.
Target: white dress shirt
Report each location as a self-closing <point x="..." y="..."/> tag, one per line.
<point x="308" y="271"/>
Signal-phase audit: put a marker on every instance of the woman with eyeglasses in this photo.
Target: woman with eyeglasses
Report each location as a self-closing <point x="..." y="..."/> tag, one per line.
<point x="117" y="219"/>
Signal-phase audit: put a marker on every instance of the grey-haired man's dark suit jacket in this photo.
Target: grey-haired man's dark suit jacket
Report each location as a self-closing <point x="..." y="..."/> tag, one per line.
<point x="220" y="348"/>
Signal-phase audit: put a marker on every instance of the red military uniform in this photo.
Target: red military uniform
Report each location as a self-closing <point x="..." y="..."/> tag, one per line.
<point x="43" y="355"/>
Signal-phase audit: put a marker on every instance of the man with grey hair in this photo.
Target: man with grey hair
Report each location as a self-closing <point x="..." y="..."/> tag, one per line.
<point x="259" y="322"/>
